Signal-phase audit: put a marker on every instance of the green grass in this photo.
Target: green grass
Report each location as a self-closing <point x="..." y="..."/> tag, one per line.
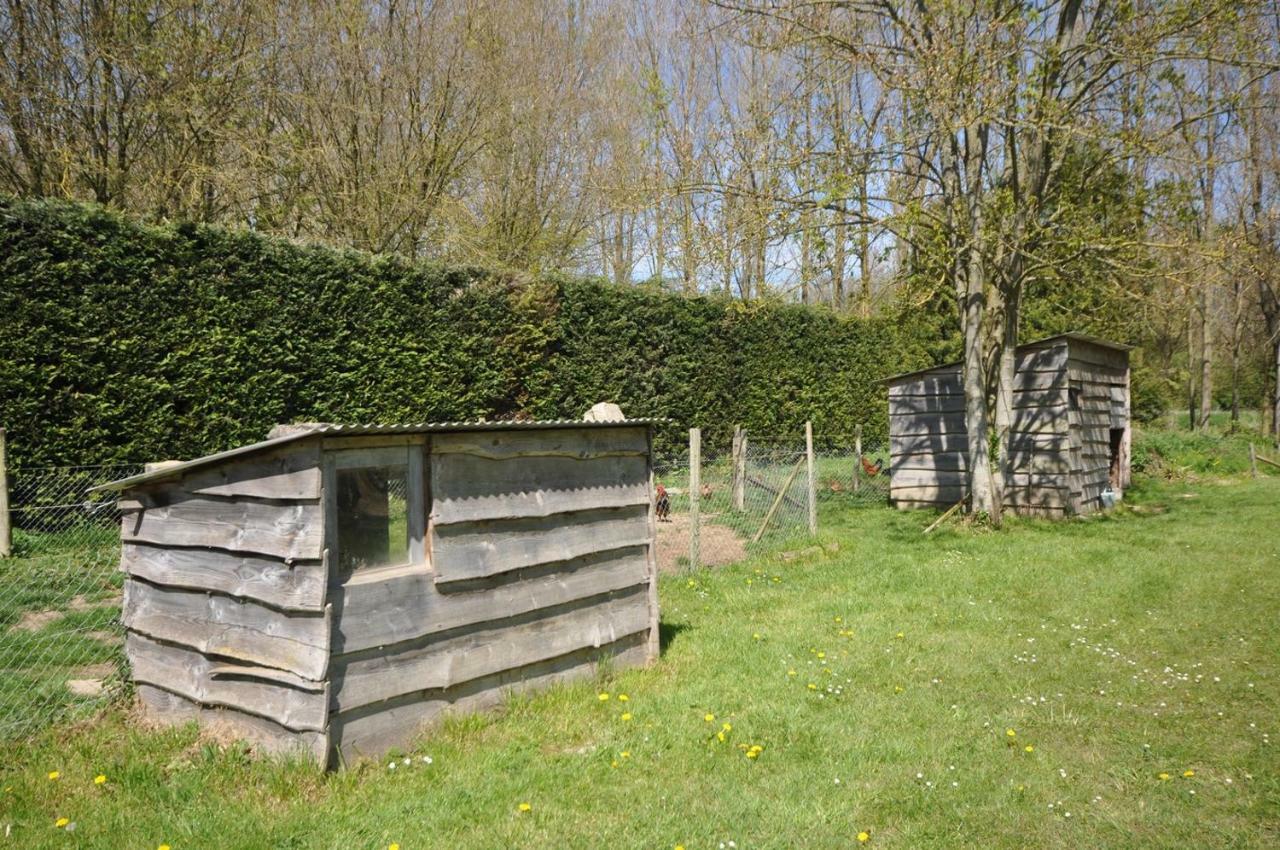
<point x="1119" y="648"/>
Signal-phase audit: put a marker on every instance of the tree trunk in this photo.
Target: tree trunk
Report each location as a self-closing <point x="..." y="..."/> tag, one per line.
<point x="982" y="499"/>
<point x="1206" y="360"/>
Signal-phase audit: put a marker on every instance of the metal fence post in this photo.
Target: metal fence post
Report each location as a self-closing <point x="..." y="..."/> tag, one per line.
<point x="695" y="493"/>
<point x="813" y="485"/>
<point x="6" y="528"/>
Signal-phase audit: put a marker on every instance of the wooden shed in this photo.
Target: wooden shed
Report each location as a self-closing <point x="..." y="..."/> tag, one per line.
<point x="1070" y="435"/>
<point x="334" y="588"/>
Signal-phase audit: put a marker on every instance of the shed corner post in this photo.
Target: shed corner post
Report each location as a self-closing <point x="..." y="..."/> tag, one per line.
<point x="813" y="485"/>
<point x="695" y="493"/>
<point x="654" y="647"/>
<point x="6" y="529"/>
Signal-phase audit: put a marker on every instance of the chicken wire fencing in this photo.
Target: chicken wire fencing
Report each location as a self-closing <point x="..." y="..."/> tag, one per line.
<point x="756" y="494"/>
<point x="61" y="652"/>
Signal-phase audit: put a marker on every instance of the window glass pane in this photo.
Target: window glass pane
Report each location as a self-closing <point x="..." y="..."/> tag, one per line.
<point x="373" y="517"/>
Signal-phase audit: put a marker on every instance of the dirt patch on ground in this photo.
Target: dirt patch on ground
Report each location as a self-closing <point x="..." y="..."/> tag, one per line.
<point x="79" y="603"/>
<point x="34" y="621"/>
<point x="718" y="545"/>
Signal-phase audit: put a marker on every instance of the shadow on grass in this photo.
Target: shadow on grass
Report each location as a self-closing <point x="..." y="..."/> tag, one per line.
<point x="667" y="633"/>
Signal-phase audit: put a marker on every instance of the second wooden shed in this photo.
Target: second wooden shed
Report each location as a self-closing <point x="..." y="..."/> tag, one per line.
<point x="1070" y="435"/>
<point x="332" y="589"/>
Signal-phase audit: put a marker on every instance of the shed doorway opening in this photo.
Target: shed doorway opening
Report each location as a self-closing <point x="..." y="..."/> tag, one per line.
<point x="1115" y="478"/>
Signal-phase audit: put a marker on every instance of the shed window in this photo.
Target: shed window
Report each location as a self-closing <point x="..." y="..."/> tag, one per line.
<point x="377" y="508"/>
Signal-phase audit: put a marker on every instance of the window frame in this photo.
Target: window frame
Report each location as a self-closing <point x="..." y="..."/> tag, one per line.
<point x="412" y="456"/>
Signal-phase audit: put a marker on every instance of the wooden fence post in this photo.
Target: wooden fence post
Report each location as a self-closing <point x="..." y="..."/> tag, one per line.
<point x="813" y="485"/>
<point x="739" y="467"/>
<point x="695" y="494"/>
<point x="6" y="530"/>
<point x="857" y="459"/>
<point x="1253" y="460"/>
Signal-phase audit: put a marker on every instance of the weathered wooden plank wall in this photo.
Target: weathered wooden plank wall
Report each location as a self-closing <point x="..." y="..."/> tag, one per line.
<point x="538" y="564"/>
<point x="1063" y="408"/>
<point x="541" y="564"/>
<point x="225" y="605"/>
<point x="1101" y="378"/>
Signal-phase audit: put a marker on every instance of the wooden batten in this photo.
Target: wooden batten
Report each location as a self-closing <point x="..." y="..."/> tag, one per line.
<point x="466" y="551"/>
<point x="290" y="473"/>
<point x="292" y="530"/>
<point x="297" y="586"/>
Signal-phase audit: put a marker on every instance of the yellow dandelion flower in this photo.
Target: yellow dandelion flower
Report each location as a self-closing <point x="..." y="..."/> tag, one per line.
<point x="1029" y="748"/>
<point x="812" y="686"/>
<point x="626" y="754"/>
<point x="709" y="717"/>
<point x="864" y="837"/>
<point x="524" y="807"/>
<point x="791" y="672"/>
<point x="897" y="689"/>
<point x="61" y="822"/>
<point x="679" y="847"/>
<point x="1187" y="774"/>
<point x="728" y="727"/>
<point x="163" y="847"/>
<point x="901" y="635"/>
<point x="1162" y="777"/>
<point x="53" y="774"/>
<point x="822" y="655"/>
<point x="604" y="696"/>
<point x="623" y="698"/>
<point x="100" y="779"/>
<point x="756" y="636"/>
<point x="626" y="715"/>
<point x="837" y="619"/>
<point x="751" y="754"/>
<point x="393" y="846"/>
<point x="720" y="735"/>
<point x="1010" y="733"/>
<point x="613" y="763"/>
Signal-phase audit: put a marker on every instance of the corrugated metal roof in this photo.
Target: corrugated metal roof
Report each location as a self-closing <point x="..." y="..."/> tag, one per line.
<point x="327" y="429"/>
<point x="1071" y="335"/>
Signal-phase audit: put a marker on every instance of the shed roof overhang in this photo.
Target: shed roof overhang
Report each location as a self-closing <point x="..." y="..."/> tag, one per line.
<point x="1026" y="346"/>
<point x="330" y="430"/>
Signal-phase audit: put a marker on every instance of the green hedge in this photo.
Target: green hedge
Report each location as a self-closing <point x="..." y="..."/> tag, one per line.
<point x="130" y="342"/>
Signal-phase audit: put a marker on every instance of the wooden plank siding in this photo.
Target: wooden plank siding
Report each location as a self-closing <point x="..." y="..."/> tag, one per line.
<point x="447" y="659"/>
<point x="535" y="563"/>
<point x="373" y="729"/>
<point x="171" y="708"/>
<point x="1064" y="408"/>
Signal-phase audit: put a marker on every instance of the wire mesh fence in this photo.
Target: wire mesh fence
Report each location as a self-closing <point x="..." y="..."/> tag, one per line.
<point x="756" y="494"/>
<point x="60" y="635"/>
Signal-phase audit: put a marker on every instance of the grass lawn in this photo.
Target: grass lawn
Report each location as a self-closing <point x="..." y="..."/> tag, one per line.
<point x="881" y="683"/>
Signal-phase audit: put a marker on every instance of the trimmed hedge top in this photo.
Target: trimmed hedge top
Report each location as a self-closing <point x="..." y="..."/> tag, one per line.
<point x="123" y="341"/>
